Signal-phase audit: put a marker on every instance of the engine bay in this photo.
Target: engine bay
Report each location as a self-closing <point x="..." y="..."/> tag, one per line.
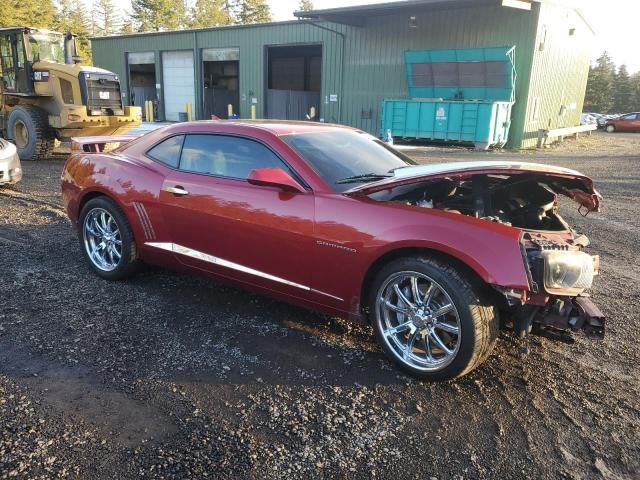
<point x="527" y="201"/>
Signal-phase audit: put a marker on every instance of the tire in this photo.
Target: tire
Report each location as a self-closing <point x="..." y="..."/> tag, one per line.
<point x="477" y="322"/>
<point x="610" y="128"/>
<point x="120" y="261"/>
<point x="28" y="127"/>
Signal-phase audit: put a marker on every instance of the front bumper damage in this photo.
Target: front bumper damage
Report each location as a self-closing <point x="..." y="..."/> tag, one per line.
<point x="560" y="316"/>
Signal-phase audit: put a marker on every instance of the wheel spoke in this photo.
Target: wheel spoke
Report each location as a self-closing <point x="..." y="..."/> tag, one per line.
<point x="440" y="344"/>
<point x="427" y="349"/>
<point x="103" y="221"/>
<point x="442" y="311"/>
<point x="396" y="308"/>
<point x="448" y="328"/>
<point x="117" y="254"/>
<point x="412" y="340"/>
<point x="428" y="296"/>
<point x="403" y="327"/>
<point x="402" y="297"/>
<point x="415" y="291"/>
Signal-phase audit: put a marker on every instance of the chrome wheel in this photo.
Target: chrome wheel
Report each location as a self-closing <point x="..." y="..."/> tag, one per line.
<point x="102" y="239"/>
<point x="418" y="321"/>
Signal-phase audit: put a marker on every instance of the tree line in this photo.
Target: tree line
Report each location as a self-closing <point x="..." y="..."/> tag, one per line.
<point x="611" y="89"/>
<point x="103" y="18"/>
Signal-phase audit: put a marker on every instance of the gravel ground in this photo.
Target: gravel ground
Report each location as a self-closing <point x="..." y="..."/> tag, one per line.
<point x="168" y="376"/>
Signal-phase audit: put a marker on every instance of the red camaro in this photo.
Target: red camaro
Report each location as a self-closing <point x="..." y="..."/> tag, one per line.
<point x="335" y="220"/>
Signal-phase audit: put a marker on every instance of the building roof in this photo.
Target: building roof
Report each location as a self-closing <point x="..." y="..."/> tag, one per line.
<point x="353" y="15"/>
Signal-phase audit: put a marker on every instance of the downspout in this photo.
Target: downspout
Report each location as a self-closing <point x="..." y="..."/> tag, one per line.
<point x="198" y="74"/>
<point x="342" y="65"/>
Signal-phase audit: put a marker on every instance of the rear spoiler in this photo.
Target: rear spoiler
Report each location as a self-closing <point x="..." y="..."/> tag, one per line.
<point x="98" y="144"/>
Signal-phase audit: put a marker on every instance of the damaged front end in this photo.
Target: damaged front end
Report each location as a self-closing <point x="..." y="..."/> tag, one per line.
<point x="560" y="274"/>
<point x="522" y="196"/>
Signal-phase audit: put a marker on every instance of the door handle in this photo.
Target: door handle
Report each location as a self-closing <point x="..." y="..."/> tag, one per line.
<point x="177" y="190"/>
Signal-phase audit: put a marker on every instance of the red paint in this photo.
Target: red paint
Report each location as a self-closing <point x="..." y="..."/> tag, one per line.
<point x="310" y="236"/>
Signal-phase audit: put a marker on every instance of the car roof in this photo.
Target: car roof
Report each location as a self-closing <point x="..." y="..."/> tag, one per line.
<point x="276" y="127"/>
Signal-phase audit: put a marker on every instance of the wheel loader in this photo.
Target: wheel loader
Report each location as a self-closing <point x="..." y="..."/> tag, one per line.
<point x="45" y="94"/>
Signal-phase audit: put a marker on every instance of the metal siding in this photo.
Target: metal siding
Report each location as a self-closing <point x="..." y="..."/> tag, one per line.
<point x="559" y="73"/>
<point x="374" y="61"/>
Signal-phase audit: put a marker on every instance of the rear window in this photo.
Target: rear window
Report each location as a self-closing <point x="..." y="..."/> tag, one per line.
<point x="168" y="151"/>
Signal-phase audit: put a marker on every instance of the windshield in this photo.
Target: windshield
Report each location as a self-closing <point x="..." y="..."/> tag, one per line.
<point x="345" y="157"/>
<point x="46" y="47"/>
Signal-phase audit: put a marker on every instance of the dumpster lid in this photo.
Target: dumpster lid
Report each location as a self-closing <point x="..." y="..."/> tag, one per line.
<point x="462" y="74"/>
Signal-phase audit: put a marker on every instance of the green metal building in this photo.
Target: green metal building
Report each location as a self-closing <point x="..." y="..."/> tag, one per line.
<point x="345" y="61"/>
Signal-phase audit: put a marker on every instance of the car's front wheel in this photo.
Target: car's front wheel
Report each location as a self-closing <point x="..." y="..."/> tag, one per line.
<point x="430" y="320"/>
<point x="107" y="240"/>
<point x="610" y="128"/>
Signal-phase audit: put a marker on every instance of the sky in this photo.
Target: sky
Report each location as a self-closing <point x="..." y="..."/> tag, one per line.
<point x="615" y="21"/>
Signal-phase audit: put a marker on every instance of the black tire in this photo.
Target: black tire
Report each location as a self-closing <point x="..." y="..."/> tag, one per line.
<point x="38" y="143"/>
<point x="479" y="322"/>
<point x="128" y="263"/>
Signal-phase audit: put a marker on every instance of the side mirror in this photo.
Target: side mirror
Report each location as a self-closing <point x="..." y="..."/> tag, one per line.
<point x="274" y="177"/>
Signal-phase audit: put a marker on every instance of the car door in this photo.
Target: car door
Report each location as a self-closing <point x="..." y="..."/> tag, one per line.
<point x="635" y="123"/>
<point x="222" y="224"/>
<point x="626" y="123"/>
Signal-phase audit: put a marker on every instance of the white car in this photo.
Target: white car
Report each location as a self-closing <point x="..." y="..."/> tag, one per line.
<point x="10" y="168"/>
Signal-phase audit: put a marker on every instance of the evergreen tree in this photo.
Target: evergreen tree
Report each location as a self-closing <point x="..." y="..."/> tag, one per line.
<point x="107" y="19"/>
<point x="211" y="13"/>
<point x="27" y="13"/>
<point x="635" y="92"/>
<point x="622" y="91"/>
<point x="599" y="97"/>
<point x="253" y="11"/>
<point x="305" y="6"/>
<point x="72" y="17"/>
<point x="159" y="15"/>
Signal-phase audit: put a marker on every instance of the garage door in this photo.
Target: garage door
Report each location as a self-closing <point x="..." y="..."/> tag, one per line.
<point x="178" y="78"/>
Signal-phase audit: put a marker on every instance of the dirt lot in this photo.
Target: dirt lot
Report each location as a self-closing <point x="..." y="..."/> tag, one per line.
<point x="167" y="376"/>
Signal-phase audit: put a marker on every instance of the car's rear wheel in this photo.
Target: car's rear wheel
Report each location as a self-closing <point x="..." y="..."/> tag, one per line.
<point x="430" y="320"/>
<point x="610" y="128"/>
<point x="107" y="239"/>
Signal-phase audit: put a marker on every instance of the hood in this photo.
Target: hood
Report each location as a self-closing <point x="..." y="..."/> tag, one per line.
<point x="561" y="180"/>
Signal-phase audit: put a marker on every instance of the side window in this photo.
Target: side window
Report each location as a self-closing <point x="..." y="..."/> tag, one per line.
<point x="168" y="151"/>
<point x="633" y="116"/>
<point x="226" y="156"/>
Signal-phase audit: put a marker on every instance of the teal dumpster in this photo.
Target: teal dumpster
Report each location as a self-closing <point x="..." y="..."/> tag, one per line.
<point x="456" y="96"/>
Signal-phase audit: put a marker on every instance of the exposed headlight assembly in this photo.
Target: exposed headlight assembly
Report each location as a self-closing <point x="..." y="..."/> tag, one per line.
<point x="568" y="273"/>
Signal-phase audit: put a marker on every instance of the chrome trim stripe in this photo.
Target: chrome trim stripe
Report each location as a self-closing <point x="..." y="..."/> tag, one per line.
<point x="144" y="220"/>
<point x="136" y="207"/>
<point x="205" y="257"/>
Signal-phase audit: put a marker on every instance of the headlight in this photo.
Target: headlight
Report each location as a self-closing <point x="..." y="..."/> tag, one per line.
<point x="568" y="272"/>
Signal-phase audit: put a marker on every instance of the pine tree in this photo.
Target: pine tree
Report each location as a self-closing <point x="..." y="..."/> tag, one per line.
<point x="107" y="19"/>
<point x="305" y="6"/>
<point x="623" y="90"/>
<point x="599" y="97"/>
<point x="254" y="11"/>
<point x="159" y="15"/>
<point x="72" y="17"/>
<point x="210" y="13"/>
<point x="27" y="13"/>
<point x="635" y="92"/>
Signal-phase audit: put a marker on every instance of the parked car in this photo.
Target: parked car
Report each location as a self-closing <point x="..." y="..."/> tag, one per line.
<point x="629" y="122"/>
<point x="333" y="219"/>
<point x="10" y="168"/>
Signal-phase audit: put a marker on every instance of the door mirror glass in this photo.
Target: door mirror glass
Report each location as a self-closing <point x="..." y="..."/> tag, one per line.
<point x="274" y="177"/>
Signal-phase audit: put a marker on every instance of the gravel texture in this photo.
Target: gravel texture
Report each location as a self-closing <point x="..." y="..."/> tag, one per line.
<point x="169" y="376"/>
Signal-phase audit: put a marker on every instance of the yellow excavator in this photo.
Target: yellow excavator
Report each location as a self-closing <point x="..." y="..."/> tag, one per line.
<point x="45" y="94"/>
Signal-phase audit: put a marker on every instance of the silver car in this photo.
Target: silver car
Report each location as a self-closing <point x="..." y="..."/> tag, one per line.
<point x="10" y="168"/>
